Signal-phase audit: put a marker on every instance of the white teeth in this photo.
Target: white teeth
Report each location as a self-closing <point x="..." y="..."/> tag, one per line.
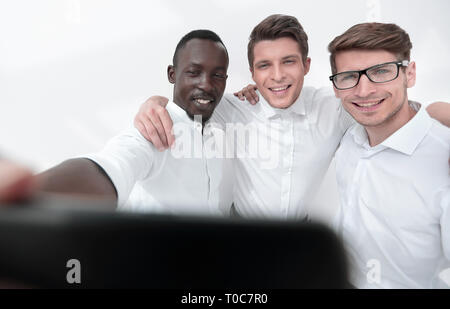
<point x="368" y="104"/>
<point x="201" y="101"/>
<point x="280" y="89"/>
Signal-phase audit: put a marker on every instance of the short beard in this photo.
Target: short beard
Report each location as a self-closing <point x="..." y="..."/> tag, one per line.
<point x="392" y="114"/>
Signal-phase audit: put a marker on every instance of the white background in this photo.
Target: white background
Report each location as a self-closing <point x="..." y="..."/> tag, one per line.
<point x="74" y="72"/>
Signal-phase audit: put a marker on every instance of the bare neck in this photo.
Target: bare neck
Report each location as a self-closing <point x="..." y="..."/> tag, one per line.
<point x="378" y="134"/>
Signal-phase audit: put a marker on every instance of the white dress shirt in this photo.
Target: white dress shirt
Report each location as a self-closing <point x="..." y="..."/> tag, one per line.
<point x="395" y="204"/>
<point x="287" y="152"/>
<point x="187" y="179"/>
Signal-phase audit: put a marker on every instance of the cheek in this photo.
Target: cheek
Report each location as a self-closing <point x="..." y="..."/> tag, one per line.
<point x="297" y="72"/>
<point x="259" y="78"/>
<point x="341" y="95"/>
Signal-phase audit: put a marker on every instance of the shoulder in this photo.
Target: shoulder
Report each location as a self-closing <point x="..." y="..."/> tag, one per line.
<point x="439" y="135"/>
<point x="130" y="134"/>
<point x="323" y="107"/>
<point x="128" y="142"/>
<point x="230" y="106"/>
<point x="319" y="101"/>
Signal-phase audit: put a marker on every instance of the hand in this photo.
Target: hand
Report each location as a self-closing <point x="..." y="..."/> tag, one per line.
<point x="441" y="112"/>
<point x="154" y="123"/>
<point x="16" y="182"/>
<point x="248" y="93"/>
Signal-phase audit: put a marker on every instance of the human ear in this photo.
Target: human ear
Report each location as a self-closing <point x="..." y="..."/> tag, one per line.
<point x="171" y="74"/>
<point x="307" y="65"/>
<point x="411" y="75"/>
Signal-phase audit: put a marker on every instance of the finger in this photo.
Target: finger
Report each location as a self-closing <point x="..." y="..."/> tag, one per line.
<point x="141" y="128"/>
<point x="168" y="126"/>
<point x="253" y="94"/>
<point x="248" y="96"/>
<point x="156" y="121"/>
<point x="153" y="136"/>
<point x="240" y="95"/>
<point x="16" y="183"/>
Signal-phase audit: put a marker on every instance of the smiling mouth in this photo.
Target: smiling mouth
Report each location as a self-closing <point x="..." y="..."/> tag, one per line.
<point x="280" y="89"/>
<point x="203" y="101"/>
<point x="368" y="104"/>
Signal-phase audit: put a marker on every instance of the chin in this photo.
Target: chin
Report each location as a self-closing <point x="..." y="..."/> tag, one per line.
<point x="280" y="104"/>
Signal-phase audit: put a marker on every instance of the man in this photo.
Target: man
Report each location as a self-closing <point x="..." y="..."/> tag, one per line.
<point x="132" y="172"/>
<point x="303" y="125"/>
<point x="392" y="166"/>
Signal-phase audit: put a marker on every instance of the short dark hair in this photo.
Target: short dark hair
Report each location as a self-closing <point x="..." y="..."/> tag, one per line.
<point x="389" y="37"/>
<point x="197" y="34"/>
<point x="278" y="26"/>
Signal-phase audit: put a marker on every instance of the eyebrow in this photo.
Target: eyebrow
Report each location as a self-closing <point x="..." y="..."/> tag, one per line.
<point x="291" y="56"/>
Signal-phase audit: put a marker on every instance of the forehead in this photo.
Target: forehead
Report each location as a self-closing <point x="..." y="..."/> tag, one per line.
<point x="275" y="49"/>
<point x="203" y="52"/>
<point x="355" y="60"/>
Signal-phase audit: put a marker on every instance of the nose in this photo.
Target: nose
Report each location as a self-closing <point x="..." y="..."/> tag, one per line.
<point x="205" y="83"/>
<point x="278" y="73"/>
<point x="365" y="87"/>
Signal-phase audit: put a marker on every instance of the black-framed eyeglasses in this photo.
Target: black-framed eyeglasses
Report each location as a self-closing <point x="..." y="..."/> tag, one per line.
<point x="380" y="73"/>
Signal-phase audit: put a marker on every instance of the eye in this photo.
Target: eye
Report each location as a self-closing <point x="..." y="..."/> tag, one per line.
<point x="347" y="77"/>
<point x="289" y="61"/>
<point x="220" y="75"/>
<point x="192" y="72"/>
<point x="381" y="71"/>
<point x="263" y="66"/>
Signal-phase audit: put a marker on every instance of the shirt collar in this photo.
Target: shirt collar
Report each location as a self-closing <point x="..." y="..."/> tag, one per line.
<point x="178" y="114"/>
<point x="407" y="138"/>
<point x="268" y="111"/>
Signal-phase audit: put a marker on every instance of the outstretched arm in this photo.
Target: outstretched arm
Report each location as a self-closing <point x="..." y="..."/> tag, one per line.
<point x="77" y="176"/>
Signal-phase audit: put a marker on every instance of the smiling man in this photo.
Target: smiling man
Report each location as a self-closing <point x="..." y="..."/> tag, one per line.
<point x="132" y="172"/>
<point x="392" y="166"/>
<point x="297" y="129"/>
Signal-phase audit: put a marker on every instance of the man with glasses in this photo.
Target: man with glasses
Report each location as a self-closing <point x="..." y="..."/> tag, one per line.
<point x="392" y="165"/>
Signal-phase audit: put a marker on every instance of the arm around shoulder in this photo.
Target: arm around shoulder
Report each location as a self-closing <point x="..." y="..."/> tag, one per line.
<point x="440" y="111"/>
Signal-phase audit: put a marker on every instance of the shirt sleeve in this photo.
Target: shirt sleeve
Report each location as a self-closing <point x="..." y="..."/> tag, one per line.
<point x="127" y="158"/>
